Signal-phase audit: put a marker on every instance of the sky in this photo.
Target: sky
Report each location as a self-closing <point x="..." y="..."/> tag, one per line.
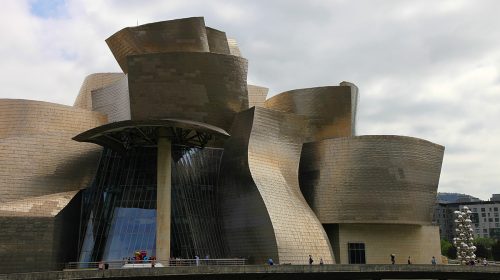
<point x="427" y="69"/>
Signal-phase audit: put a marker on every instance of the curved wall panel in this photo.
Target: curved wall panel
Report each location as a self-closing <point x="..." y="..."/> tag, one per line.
<point x="217" y="41"/>
<point x="330" y="110"/>
<point x="264" y="212"/>
<point x="113" y="101"/>
<point x="204" y="87"/>
<point x="93" y="82"/>
<point x="188" y="35"/>
<point x="371" y="179"/>
<point x="37" y="154"/>
<point x="256" y="95"/>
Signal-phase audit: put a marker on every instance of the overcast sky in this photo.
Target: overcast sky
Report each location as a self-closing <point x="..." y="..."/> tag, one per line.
<point x="428" y="69"/>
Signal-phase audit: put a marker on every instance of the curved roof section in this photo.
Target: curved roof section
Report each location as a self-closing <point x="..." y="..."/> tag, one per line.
<point x="330" y="110"/>
<point x="371" y="179"/>
<point x="93" y="82"/>
<point x="37" y="154"/>
<point x="180" y="35"/>
<point x="204" y="87"/>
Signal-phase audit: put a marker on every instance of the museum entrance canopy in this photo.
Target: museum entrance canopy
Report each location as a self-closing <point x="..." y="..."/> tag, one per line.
<point x="120" y="136"/>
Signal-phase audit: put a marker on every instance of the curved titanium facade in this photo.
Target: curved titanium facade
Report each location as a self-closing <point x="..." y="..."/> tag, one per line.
<point x="204" y="87"/>
<point x="182" y="35"/>
<point x="330" y="110"/>
<point x="93" y="82"/>
<point x="264" y="212"/>
<point x="113" y="100"/>
<point x="256" y="95"/>
<point x="371" y="179"/>
<point x="37" y="154"/>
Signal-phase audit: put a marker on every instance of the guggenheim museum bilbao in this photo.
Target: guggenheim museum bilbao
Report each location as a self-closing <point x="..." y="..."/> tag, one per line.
<point x="180" y="157"/>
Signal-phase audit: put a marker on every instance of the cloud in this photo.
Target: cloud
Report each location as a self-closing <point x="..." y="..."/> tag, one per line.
<point x="424" y="68"/>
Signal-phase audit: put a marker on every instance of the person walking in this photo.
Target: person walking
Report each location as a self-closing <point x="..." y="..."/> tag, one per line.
<point x="310" y="260"/>
<point x="321" y="261"/>
<point x="433" y="260"/>
<point x="393" y="258"/>
<point x="270" y="261"/>
<point x="409" y="260"/>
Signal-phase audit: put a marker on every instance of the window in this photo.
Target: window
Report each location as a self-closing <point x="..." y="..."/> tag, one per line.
<point x="484" y="220"/>
<point x="496" y="219"/>
<point x="496" y="209"/>
<point x="483" y="214"/>
<point x="497" y="225"/>
<point x="483" y="209"/>
<point x="496" y="214"/>
<point x="485" y="230"/>
<point x="488" y="214"/>
<point x="490" y="220"/>
<point x="356" y="253"/>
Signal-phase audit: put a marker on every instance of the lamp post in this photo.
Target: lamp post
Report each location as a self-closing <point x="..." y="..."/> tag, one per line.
<point x="464" y="237"/>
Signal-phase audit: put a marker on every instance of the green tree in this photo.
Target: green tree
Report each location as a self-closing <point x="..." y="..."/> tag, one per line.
<point x="445" y="246"/>
<point x="495" y="251"/>
<point x="484" y="246"/>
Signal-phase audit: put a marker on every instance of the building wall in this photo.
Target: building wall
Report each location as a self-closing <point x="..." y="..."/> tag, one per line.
<point x="264" y="212"/>
<point x="113" y="101"/>
<point x="256" y="95"/>
<point x="37" y="154"/>
<point x="93" y="82"/>
<point x="421" y="243"/>
<point x="39" y="234"/>
<point x="330" y="110"/>
<point x="217" y="41"/>
<point x="371" y="179"/>
<point x="487" y="221"/>
<point x="204" y="87"/>
<point x="187" y="34"/>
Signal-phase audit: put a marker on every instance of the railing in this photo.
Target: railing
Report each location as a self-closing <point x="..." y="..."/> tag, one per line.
<point x="153" y="263"/>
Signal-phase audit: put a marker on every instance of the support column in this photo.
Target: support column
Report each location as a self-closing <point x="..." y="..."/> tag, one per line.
<point x="163" y="198"/>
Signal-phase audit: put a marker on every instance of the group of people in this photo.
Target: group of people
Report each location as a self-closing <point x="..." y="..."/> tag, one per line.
<point x="311" y="261"/>
<point x="393" y="259"/>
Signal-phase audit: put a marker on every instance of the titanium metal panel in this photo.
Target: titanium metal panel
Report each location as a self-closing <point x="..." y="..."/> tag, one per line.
<point x="217" y="41"/>
<point x="330" y="110"/>
<point x="234" y="49"/>
<point x="113" y="100"/>
<point x="264" y="212"/>
<point x="371" y="179"/>
<point x="39" y="233"/>
<point x="187" y="34"/>
<point x="204" y="87"/>
<point x="257" y="95"/>
<point x="93" y="82"/>
<point x="37" y="154"/>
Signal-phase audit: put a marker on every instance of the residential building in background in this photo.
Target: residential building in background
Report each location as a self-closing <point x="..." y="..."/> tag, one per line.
<point x="485" y="215"/>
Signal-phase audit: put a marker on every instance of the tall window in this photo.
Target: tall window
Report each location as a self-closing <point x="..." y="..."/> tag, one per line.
<point x="356" y="253"/>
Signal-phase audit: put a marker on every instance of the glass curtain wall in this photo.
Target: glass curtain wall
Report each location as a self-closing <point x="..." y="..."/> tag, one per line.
<point x="119" y="209"/>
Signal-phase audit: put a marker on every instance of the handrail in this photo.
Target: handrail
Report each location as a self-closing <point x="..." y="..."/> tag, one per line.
<point x="118" y="264"/>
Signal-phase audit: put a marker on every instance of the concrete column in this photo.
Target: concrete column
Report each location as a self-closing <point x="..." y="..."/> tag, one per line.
<point x="163" y="198"/>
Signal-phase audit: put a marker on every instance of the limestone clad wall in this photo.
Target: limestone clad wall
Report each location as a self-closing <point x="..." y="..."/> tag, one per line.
<point x="421" y="243"/>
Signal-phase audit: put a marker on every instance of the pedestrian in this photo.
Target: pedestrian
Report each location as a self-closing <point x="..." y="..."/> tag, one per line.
<point x="409" y="260"/>
<point x="270" y="261"/>
<point x="310" y="260"/>
<point x="153" y="262"/>
<point x="485" y="262"/>
<point x="101" y="265"/>
<point x="197" y="260"/>
<point x="393" y="258"/>
<point x="321" y="261"/>
<point x="433" y="261"/>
